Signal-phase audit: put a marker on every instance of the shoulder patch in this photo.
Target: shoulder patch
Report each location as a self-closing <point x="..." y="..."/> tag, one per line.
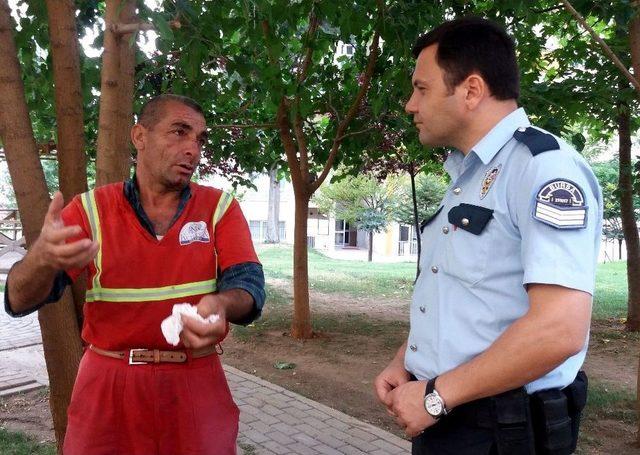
<point x="537" y="141"/>
<point x="560" y="203"/>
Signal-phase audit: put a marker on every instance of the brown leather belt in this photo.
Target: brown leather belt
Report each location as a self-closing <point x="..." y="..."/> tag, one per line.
<point x="143" y="356"/>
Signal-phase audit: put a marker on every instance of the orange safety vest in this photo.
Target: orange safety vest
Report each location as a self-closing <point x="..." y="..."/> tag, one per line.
<point x="135" y="279"/>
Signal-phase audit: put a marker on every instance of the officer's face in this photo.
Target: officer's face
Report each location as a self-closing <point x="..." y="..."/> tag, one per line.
<point x="170" y="150"/>
<point x="437" y="111"/>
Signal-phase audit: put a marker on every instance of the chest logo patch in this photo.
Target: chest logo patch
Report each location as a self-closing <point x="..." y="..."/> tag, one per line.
<point x="194" y="231"/>
<point x="489" y="177"/>
<point x="560" y="203"/>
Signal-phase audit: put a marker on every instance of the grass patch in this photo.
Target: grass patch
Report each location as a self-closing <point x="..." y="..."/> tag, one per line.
<point x="611" y="290"/>
<point x="19" y="444"/>
<point x="395" y="280"/>
<point x="278" y="314"/>
<point x="608" y="401"/>
<point x="354" y="278"/>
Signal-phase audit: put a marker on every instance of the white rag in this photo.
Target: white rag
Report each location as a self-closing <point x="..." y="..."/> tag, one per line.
<point x="172" y="326"/>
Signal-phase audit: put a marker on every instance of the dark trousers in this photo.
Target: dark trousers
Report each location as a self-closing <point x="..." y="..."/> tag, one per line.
<point x="499" y="425"/>
<point x="455" y="438"/>
<point x="511" y="423"/>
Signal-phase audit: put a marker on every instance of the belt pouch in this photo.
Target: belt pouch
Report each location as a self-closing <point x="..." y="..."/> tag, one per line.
<point x="576" y="394"/>
<point x="514" y="433"/>
<point x="551" y="422"/>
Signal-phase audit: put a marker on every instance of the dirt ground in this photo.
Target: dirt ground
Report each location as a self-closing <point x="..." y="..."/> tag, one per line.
<point x="356" y="340"/>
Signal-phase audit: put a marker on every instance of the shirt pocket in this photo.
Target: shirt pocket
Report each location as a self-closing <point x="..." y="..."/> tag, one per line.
<point x="468" y="247"/>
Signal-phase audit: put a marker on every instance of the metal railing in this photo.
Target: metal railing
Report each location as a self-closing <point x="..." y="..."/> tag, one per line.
<point x="11" y="238"/>
<point x="407" y="247"/>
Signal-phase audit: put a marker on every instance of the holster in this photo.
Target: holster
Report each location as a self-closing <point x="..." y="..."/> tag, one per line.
<point x="514" y="433"/>
<point x="556" y="417"/>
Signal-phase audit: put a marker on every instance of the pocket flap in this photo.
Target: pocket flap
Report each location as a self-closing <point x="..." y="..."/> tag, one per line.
<point x="471" y="218"/>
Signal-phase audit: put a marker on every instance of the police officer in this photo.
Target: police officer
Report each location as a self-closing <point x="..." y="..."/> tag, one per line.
<point x="501" y="310"/>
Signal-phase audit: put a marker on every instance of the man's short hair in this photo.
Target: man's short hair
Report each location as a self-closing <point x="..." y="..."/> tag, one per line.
<point x="151" y="111"/>
<point x="475" y="45"/>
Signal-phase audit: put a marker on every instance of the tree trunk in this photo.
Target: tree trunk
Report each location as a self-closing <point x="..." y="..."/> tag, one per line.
<point x="620" y="249"/>
<point x="301" y="324"/>
<point x="627" y="213"/>
<point x="273" y="216"/>
<point x="634" y="41"/>
<point x="370" y="254"/>
<point x="416" y="221"/>
<point x="72" y="159"/>
<point x="58" y="324"/>
<point x="116" y="97"/>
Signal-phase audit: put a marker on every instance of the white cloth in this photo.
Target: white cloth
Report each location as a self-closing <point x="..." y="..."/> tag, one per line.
<point x="172" y="326"/>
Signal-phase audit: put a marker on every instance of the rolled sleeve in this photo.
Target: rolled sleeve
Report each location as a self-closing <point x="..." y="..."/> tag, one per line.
<point x="59" y="284"/>
<point x="249" y="277"/>
<point x="562" y="256"/>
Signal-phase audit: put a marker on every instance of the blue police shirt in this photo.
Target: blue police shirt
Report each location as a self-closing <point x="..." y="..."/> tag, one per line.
<point x="523" y="207"/>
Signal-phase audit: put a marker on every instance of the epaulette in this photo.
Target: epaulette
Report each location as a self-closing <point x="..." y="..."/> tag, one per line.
<point x="537" y="141"/>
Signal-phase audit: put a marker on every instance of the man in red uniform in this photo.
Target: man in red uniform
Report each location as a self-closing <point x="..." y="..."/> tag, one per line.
<point x="149" y="243"/>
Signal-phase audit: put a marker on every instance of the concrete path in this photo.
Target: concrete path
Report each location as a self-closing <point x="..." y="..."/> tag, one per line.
<point x="273" y="420"/>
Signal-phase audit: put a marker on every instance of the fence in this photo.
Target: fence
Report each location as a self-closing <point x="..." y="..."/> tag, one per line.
<point x="12" y="243"/>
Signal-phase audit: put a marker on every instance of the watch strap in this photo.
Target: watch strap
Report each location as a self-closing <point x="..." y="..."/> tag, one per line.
<point x="431" y="386"/>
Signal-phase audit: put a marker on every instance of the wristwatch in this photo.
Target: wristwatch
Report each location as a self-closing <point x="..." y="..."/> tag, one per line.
<point x="433" y="402"/>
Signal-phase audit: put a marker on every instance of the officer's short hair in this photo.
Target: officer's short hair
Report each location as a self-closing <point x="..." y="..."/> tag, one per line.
<point x="473" y="44"/>
<point x="151" y="111"/>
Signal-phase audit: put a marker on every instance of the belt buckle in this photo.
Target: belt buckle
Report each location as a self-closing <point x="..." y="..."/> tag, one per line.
<point x="131" y="362"/>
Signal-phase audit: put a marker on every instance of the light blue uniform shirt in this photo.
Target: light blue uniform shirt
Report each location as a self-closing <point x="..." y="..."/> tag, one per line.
<point x="545" y="228"/>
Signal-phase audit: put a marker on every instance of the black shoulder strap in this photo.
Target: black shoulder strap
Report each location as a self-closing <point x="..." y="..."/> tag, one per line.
<point x="537" y="141"/>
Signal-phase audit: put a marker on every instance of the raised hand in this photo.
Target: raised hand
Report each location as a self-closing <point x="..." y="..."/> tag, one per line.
<point x="51" y="250"/>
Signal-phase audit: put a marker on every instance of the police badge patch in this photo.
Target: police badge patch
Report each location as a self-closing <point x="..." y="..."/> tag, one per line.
<point x="194" y="231"/>
<point x="489" y="178"/>
<point x="560" y="203"/>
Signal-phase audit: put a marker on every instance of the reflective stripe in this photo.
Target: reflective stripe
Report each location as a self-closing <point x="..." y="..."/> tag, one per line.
<point x="223" y="204"/>
<point x="91" y="209"/>
<point x="151" y="294"/>
<point x="98" y="293"/>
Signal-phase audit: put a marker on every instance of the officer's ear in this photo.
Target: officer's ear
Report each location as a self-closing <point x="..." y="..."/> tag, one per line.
<point x="138" y="136"/>
<point x="475" y="89"/>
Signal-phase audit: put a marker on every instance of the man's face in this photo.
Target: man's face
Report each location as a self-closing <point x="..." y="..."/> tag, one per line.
<point x="437" y="112"/>
<point x="169" y="151"/>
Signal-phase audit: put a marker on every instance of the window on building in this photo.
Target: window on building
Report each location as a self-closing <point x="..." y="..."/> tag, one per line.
<point x="404" y="233"/>
<point x="342" y="232"/>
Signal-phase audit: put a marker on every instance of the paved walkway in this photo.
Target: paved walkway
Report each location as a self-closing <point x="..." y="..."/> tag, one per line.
<point x="273" y="420"/>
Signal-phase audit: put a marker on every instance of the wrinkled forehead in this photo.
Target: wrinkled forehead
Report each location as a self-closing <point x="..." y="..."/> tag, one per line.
<point x="174" y="112"/>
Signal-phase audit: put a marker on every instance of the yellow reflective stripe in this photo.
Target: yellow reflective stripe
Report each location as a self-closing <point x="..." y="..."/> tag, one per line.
<point x="151" y="294"/>
<point x="89" y="203"/>
<point x="223" y="204"/>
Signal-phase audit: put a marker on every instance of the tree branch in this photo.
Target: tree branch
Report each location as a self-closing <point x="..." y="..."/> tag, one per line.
<point x="547" y="10"/>
<point x="123" y="29"/>
<point x="266" y="31"/>
<point x="302" y="145"/>
<point x="282" y="119"/>
<point x="606" y="49"/>
<point x="355" y="133"/>
<point x="254" y="125"/>
<point x="313" y="27"/>
<point x="364" y="87"/>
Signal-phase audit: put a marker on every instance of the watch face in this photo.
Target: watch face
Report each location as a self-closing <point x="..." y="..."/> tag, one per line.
<point x="433" y="404"/>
